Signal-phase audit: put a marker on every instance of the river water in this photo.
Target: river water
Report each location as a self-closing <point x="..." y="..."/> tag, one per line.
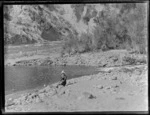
<point x="20" y="78"/>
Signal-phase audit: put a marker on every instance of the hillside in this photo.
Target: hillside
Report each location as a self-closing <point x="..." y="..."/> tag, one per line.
<point x="84" y="27"/>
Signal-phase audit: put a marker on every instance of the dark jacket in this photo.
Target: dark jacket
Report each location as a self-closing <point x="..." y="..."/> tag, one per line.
<point x="63" y="79"/>
<point x="63" y="76"/>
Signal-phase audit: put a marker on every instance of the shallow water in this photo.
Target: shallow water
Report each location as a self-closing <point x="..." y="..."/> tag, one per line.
<point x="22" y="78"/>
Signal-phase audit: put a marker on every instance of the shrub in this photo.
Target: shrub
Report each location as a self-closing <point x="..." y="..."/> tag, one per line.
<point x="129" y="60"/>
<point x="69" y="45"/>
<point x="85" y="42"/>
<point x="134" y="60"/>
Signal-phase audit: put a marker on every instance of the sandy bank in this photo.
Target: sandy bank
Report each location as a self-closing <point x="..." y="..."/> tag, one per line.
<point x="123" y="89"/>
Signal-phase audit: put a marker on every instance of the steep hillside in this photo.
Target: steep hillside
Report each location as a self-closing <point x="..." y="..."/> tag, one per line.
<point x="38" y="22"/>
<point x="84" y="26"/>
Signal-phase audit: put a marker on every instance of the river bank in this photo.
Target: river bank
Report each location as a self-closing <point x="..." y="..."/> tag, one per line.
<point x="99" y="59"/>
<point x="115" y="88"/>
<point x="50" y="54"/>
<point x="19" y="78"/>
<point x="121" y="89"/>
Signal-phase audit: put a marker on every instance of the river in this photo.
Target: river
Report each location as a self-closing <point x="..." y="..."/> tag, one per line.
<point x="20" y="78"/>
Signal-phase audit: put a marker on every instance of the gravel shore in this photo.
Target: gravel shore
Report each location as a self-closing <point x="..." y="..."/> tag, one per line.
<point x="123" y="89"/>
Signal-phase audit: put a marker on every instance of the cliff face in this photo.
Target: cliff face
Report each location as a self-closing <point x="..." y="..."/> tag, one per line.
<point x="36" y="23"/>
<point x="94" y="25"/>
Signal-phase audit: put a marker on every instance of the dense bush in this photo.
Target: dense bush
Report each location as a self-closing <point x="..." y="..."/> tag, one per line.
<point x="133" y="60"/>
<point x="126" y="29"/>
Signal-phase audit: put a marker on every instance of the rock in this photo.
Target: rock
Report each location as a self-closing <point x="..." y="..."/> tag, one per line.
<point x="109" y="71"/>
<point x="10" y="99"/>
<point x="51" y="92"/>
<point x="47" y="62"/>
<point x="21" y="99"/>
<point x="17" y="101"/>
<point x="28" y="94"/>
<point x="99" y="86"/>
<point x="138" y="72"/>
<point x="120" y="98"/>
<point x="34" y="95"/>
<point x="14" y="64"/>
<point x="32" y="98"/>
<point x="67" y="92"/>
<point x="22" y="102"/>
<point x="30" y="64"/>
<point x="37" y="100"/>
<point x="11" y="102"/>
<point x="29" y="98"/>
<point x="116" y="59"/>
<point x="108" y="88"/>
<point x="64" y="64"/>
<point x="62" y="92"/>
<point x="89" y="77"/>
<point x="8" y="64"/>
<point x="71" y="82"/>
<point x="131" y="93"/>
<point x="115" y="78"/>
<point x="44" y="90"/>
<point x="138" y="78"/>
<point x="114" y="91"/>
<point x="42" y="95"/>
<point x="47" y="88"/>
<point x="88" y="95"/>
<point x="104" y="65"/>
<point x="116" y="86"/>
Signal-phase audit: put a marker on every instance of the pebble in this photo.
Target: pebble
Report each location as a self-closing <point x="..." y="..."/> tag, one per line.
<point x="42" y="95"/>
<point x="137" y="72"/>
<point x="99" y="86"/>
<point x="114" y="78"/>
<point x="108" y="88"/>
<point x="10" y="102"/>
<point x="67" y="92"/>
<point x="120" y="98"/>
<point x="116" y="86"/>
<point x="88" y="95"/>
<point x="10" y="99"/>
<point x="51" y="92"/>
<point x="37" y="100"/>
<point x="89" y="78"/>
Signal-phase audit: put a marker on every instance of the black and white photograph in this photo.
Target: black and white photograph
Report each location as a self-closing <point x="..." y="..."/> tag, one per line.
<point x="75" y="57"/>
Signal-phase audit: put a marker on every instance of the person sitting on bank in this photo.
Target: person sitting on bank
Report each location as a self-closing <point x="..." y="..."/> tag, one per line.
<point x="63" y="80"/>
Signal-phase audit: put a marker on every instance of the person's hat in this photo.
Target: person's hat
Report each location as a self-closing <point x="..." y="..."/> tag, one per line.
<point x="62" y="71"/>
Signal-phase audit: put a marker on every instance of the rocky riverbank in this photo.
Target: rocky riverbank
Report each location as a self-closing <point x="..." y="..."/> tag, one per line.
<point x="120" y="89"/>
<point x="100" y="59"/>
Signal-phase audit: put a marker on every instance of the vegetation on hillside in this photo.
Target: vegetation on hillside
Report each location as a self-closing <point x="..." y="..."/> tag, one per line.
<point x="83" y="27"/>
<point x="118" y="26"/>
